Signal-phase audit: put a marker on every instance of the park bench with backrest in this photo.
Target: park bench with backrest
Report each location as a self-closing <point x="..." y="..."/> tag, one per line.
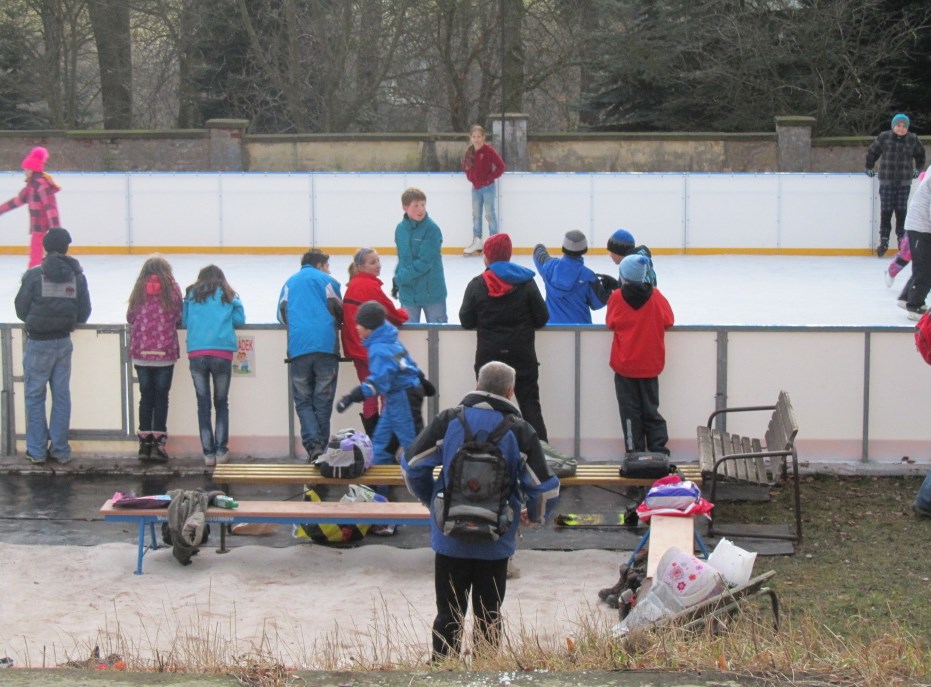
<point x="725" y="456"/>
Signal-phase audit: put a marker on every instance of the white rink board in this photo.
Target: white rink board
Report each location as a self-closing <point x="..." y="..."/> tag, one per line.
<point x="672" y="212"/>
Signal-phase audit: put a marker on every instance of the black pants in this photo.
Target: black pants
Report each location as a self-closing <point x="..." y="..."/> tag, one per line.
<point x="892" y="198"/>
<point x="454" y="579"/>
<point x="920" y="283"/>
<point x="526" y="391"/>
<point x="638" y="403"/>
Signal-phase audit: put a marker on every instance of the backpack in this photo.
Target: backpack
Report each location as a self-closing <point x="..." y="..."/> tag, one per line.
<point x="348" y="454"/>
<point x="342" y="533"/>
<point x="923" y="337"/>
<point x="475" y="503"/>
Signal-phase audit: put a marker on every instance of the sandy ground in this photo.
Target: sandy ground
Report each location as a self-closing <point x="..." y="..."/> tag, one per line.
<point x="305" y="605"/>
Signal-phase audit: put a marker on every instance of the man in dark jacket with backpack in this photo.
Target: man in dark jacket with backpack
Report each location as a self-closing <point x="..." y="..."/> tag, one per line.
<point x="472" y="551"/>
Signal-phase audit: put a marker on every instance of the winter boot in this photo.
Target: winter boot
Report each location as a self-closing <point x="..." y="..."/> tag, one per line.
<point x="158" y="449"/>
<point x="145" y="447"/>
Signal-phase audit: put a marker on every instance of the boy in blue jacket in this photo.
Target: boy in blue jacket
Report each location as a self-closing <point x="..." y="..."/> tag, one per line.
<point x="572" y="289"/>
<point x="393" y="374"/>
<point x="465" y="566"/>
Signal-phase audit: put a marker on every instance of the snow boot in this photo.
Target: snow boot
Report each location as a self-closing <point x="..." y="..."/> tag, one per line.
<point x="145" y="447"/>
<point x="158" y="454"/>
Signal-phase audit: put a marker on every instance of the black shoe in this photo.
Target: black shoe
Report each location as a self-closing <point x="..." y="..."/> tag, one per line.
<point x="882" y="247"/>
<point x="145" y="448"/>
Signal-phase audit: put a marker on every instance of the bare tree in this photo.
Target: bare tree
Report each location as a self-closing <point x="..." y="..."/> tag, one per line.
<point x="110" y="21"/>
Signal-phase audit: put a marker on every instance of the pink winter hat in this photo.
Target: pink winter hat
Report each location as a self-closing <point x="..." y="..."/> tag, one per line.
<point x="35" y="161"/>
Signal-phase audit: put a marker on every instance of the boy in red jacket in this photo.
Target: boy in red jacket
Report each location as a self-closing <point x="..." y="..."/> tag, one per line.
<point x="639" y="315"/>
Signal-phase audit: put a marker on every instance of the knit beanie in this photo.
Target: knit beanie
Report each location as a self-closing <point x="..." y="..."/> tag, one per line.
<point x="634" y="268"/>
<point x="371" y="315"/>
<point x="900" y="117"/>
<point x="621" y="242"/>
<point x="56" y="241"/>
<point x="497" y="248"/>
<point x="574" y="243"/>
<point x="35" y="160"/>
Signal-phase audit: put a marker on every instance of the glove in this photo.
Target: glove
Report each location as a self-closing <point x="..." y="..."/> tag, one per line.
<point x="608" y="282"/>
<point x="354" y="396"/>
<point x="915" y="174"/>
<point x="428" y="388"/>
<point x="394" y="288"/>
<point x="870" y="173"/>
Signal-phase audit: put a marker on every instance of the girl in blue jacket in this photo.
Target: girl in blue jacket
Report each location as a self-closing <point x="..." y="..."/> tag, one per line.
<point x="211" y="312"/>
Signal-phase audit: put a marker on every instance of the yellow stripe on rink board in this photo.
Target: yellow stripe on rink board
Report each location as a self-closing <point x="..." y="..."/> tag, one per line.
<point x="448" y="250"/>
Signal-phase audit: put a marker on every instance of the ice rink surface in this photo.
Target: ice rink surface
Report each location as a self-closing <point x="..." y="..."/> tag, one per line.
<point x="703" y="290"/>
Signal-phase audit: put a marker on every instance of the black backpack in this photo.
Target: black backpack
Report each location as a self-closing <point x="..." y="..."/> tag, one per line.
<point x="475" y="503"/>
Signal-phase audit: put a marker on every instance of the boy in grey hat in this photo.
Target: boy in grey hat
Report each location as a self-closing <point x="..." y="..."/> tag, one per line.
<point x="572" y="289"/>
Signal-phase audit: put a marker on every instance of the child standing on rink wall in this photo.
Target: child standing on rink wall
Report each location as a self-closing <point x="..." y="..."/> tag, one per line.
<point x="39" y="196"/>
<point x="482" y="166"/>
<point x="211" y="313"/>
<point x="154" y="316"/>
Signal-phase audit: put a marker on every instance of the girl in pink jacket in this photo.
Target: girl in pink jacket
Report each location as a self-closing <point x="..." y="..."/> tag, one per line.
<point x="39" y="195"/>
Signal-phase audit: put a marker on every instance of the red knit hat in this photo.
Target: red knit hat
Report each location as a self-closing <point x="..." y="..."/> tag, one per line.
<point x="497" y="248"/>
<point x="35" y="161"/>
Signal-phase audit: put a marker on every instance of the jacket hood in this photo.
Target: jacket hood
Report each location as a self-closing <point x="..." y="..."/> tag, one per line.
<point x="636" y="295"/>
<point x="502" y="277"/>
<point x="565" y="273"/>
<point x="484" y="399"/>
<point x="60" y="268"/>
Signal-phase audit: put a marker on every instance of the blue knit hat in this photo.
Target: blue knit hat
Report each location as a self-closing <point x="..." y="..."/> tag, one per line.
<point x="621" y="242"/>
<point x="900" y="117"/>
<point x="634" y="268"/>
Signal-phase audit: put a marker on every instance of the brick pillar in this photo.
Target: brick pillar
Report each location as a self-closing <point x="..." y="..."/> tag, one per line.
<point x="793" y="135"/>
<point x="226" y="151"/>
<point x="512" y="145"/>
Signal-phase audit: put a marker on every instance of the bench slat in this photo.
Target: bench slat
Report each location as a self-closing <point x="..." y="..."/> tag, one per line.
<point x="391" y="475"/>
<point x="347" y="511"/>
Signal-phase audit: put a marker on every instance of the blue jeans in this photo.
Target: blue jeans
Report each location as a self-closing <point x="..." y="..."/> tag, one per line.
<point x="48" y="363"/>
<point x="212" y="440"/>
<point x="313" y="383"/>
<point x="432" y="312"/>
<point x="484" y="198"/>
<point x="154" y="385"/>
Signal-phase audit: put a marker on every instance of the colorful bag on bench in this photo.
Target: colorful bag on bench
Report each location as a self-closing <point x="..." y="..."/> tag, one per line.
<point x="348" y="455"/>
<point x="342" y="533"/>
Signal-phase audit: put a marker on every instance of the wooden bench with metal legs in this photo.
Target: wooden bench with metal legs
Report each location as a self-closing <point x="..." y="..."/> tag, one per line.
<point x="279" y="512"/>
<point x="726" y="456"/>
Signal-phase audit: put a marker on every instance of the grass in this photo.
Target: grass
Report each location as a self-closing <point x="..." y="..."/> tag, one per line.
<point x="855" y="598"/>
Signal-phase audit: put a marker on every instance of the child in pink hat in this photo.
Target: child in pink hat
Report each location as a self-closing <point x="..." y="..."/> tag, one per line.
<point x="39" y="195"/>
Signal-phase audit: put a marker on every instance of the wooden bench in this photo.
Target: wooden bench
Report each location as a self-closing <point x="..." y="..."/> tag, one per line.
<point x="280" y="512"/>
<point x="605" y="475"/>
<point x="726" y="456"/>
